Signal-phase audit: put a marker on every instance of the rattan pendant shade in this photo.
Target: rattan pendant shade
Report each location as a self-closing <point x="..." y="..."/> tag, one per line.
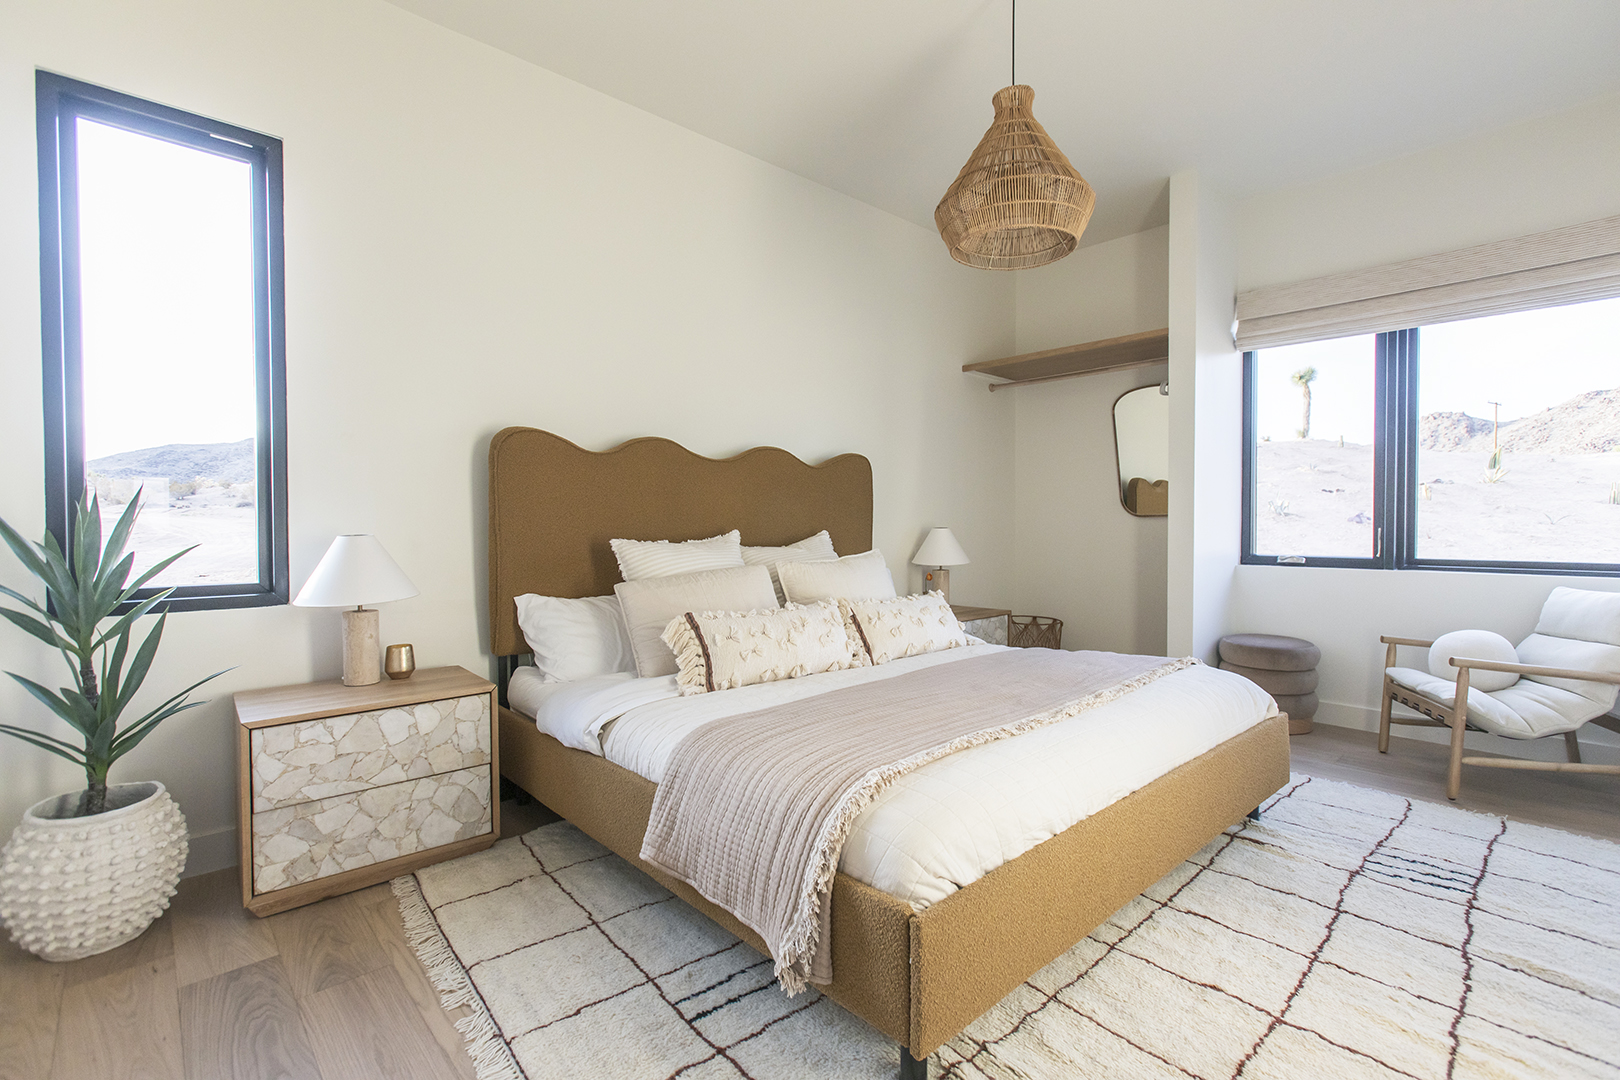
<point x="1017" y="203"/>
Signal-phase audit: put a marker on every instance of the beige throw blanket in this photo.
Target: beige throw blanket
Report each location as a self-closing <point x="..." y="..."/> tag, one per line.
<point x="754" y="809"/>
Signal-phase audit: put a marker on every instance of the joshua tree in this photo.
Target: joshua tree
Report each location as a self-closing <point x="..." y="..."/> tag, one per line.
<point x="1303" y="379"/>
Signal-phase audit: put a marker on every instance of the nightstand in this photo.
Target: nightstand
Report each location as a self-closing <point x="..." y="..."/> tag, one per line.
<point x="984" y="622"/>
<point x="341" y="787"/>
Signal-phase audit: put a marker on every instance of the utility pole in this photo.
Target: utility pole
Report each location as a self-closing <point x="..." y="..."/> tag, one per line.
<point x="1496" y="412"/>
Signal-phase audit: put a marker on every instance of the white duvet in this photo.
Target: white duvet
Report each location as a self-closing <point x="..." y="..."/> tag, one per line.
<point x="952" y="821"/>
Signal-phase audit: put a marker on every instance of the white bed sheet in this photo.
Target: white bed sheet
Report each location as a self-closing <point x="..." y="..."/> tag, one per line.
<point x="954" y="820"/>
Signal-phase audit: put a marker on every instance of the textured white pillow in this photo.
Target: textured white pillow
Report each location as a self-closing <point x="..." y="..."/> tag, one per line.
<point x="904" y="626"/>
<point x="817" y="548"/>
<point x="719" y="650"/>
<point x="660" y="558"/>
<point x="1475" y="645"/>
<point x="650" y="603"/>
<point x="854" y="577"/>
<point x="575" y="639"/>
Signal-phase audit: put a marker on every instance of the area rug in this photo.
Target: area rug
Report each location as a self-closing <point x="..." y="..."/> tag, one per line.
<point x="1348" y="933"/>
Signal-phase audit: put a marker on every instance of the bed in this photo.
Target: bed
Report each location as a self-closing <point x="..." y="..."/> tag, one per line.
<point x="918" y="976"/>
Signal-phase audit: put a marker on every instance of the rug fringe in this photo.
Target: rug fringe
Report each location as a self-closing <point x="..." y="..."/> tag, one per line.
<point x="491" y="1057"/>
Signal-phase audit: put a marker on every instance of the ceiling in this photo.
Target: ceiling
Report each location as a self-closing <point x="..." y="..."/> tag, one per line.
<point x="884" y="99"/>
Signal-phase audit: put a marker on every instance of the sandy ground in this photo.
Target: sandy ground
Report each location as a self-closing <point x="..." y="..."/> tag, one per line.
<point x="1315" y="498"/>
<point x="227" y="535"/>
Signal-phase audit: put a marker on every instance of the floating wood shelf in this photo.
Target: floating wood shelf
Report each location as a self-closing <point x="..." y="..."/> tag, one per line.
<point x="1113" y="354"/>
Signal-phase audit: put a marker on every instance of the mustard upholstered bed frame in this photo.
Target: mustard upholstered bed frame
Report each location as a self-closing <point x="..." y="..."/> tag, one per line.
<point x="918" y="977"/>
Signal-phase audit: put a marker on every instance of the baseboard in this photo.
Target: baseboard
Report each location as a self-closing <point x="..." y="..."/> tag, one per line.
<point x="210" y="851"/>
<point x="1360" y="718"/>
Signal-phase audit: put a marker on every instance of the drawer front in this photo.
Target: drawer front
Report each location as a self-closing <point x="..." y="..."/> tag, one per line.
<point x="317" y="759"/>
<point x="993" y="630"/>
<point x="295" y="844"/>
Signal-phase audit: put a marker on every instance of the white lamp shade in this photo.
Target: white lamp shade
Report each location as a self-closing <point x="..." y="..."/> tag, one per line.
<point x="940" y="549"/>
<point x="355" y="570"/>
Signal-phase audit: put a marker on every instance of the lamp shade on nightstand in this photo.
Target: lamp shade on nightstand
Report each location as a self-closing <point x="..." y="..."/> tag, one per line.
<point x="354" y="572"/>
<point x="939" y="550"/>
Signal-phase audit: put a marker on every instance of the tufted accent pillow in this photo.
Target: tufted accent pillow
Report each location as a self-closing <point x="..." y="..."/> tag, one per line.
<point x="1475" y="645"/>
<point x="720" y="650"/>
<point x="904" y="626"/>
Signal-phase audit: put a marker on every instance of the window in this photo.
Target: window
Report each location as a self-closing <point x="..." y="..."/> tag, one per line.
<point x="164" y="364"/>
<point x="1481" y="444"/>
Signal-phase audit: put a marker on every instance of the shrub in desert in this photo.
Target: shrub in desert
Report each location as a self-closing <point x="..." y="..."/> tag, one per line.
<point x="179" y="489"/>
<point x="1493" y="467"/>
<point x="1303" y="379"/>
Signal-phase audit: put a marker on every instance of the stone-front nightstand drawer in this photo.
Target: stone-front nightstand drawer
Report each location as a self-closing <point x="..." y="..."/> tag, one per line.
<point x="295" y="844"/>
<point x="316" y="759"/>
<point x="340" y="787"/>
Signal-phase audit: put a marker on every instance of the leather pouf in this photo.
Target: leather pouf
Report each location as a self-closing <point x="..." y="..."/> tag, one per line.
<point x="1284" y="667"/>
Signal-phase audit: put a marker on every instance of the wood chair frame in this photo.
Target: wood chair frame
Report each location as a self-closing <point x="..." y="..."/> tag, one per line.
<point x="1455" y="716"/>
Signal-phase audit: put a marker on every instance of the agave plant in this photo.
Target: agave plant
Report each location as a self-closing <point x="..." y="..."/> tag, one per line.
<point x="84" y="592"/>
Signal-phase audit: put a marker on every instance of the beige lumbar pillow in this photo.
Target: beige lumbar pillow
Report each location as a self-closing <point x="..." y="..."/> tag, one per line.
<point x="720" y="650"/>
<point x="649" y="605"/>
<point x="904" y="626"/>
<point x="854" y="577"/>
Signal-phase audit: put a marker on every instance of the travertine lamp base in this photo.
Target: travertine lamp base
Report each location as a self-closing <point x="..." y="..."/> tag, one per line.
<point x="938" y="580"/>
<point x="362" y="653"/>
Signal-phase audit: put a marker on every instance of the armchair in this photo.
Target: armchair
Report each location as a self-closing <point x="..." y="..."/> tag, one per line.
<point x="1572" y="676"/>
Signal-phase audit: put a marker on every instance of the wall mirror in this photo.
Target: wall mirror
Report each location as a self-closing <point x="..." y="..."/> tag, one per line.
<point x="1142" y="447"/>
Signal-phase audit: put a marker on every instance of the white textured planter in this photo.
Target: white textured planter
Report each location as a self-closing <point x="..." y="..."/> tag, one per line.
<point x="72" y="887"/>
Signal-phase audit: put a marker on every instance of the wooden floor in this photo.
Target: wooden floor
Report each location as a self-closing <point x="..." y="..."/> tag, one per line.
<point x="331" y="991"/>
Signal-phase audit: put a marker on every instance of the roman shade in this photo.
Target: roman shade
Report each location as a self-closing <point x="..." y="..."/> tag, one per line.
<point x="1563" y="266"/>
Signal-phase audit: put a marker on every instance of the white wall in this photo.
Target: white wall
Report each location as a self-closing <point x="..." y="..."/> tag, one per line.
<point x="1206" y="382"/>
<point x="1547" y="173"/>
<point x="473" y="242"/>
<point x="1081" y="557"/>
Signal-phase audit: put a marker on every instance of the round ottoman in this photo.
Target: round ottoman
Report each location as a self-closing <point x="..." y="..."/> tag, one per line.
<point x="1284" y="667"/>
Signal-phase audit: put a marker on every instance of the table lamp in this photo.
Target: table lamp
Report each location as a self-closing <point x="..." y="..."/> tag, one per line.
<point x="357" y="571"/>
<point x="939" y="550"/>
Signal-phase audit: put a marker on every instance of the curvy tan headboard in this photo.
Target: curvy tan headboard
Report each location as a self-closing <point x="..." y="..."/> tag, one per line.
<point x="554" y="506"/>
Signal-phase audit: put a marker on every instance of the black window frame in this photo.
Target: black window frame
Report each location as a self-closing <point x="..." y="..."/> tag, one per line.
<point x="1395" y="483"/>
<point x="59" y="101"/>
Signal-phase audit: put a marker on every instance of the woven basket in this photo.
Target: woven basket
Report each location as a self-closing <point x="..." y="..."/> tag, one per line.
<point x="1017" y="203"/>
<point x="1034" y="632"/>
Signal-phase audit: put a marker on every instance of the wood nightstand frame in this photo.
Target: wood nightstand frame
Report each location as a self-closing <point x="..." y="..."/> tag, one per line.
<point x="315" y="701"/>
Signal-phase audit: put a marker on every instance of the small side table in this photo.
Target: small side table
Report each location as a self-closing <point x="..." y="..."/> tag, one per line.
<point x="341" y="787"/>
<point x="984" y="622"/>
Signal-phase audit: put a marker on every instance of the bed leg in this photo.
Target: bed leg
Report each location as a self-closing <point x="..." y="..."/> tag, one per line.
<point x="911" y="1068"/>
<point x="1254" y="815"/>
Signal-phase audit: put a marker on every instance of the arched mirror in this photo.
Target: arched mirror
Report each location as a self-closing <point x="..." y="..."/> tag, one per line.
<point x="1142" y="447"/>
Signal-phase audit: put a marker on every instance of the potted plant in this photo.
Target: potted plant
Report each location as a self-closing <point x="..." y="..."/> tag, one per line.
<point x="87" y="871"/>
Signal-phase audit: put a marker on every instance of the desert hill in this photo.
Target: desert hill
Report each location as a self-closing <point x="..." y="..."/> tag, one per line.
<point x="223" y="463"/>
<point x="1586" y="424"/>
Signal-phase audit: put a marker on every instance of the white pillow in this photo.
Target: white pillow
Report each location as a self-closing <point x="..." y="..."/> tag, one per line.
<point x="904" y="626"/>
<point x="817" y="548"/>
<point x="854" y="577"/>
<point x="650" y="603"/>
<point x="660" y="558"/>
<point x="1475" y="645"/>
<point x="719" y="650"/>
<point x="575" y="639"/>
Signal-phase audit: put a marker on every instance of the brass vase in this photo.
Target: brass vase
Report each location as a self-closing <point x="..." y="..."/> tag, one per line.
<point x="400" y="661"/>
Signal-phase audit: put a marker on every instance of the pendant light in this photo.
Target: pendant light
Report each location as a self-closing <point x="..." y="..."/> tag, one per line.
<point x="1017" y="203"/>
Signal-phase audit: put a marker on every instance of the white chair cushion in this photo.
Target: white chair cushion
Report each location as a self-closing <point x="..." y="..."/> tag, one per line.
<point x="1542" y="650"/>
<point x="1476" y="645"/>
<point x="1526" y="710"/>
<point x="1581" y="614"/>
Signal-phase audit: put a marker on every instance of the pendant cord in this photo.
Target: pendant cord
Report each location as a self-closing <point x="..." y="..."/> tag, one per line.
<point x="1014" y="42"/>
